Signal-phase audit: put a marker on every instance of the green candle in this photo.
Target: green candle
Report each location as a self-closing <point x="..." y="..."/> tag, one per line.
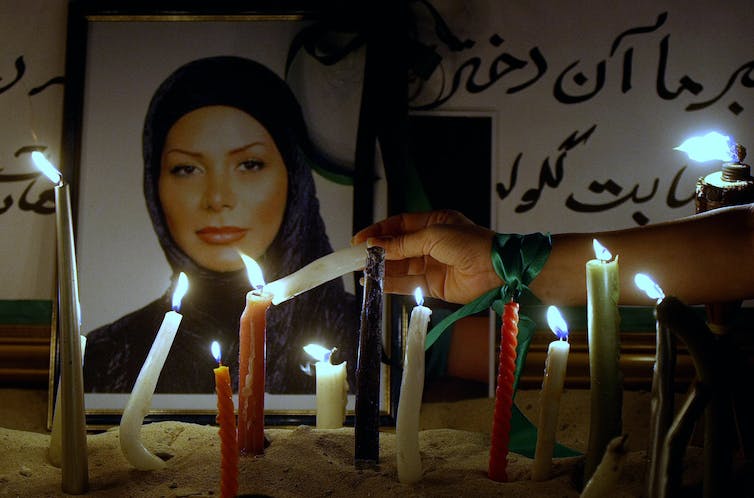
<point x="603" y="326"/>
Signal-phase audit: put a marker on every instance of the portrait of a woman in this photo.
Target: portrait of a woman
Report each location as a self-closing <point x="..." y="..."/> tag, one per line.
<point x="227" y="170"/>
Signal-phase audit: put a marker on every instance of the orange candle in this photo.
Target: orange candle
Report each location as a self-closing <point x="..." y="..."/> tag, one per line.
<point x="251" y="372"/>
<point x="226" y="419"/>
<point x="501" y="422"/>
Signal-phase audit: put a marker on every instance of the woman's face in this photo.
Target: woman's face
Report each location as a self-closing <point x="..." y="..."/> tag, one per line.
<point x="223" y="186"/>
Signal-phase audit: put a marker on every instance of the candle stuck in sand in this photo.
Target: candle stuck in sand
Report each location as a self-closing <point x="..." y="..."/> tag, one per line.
<point x="74" y="463"/>
<point x="226" y="419"/>
<point x="552" y="390"/>
<point x="332" y="387"/>
<point x="412" y="387"/>
<point x="141" y="396"/>
<point x="603" y="327"/>
<point x="251" y="363"/>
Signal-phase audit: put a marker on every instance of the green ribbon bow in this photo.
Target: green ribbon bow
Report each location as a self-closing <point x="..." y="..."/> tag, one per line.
<point x="517" y="259"/>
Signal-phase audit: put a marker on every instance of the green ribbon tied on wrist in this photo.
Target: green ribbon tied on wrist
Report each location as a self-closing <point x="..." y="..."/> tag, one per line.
<point x="517" y="260"/>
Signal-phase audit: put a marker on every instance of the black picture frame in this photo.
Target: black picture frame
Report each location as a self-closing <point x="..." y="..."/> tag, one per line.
<point x="84" y="18"/>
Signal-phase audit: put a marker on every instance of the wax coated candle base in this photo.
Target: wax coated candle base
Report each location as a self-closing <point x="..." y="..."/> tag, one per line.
<point x="367" y="417"/>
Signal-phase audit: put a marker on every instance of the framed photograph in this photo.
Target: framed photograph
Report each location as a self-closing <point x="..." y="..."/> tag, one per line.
<point x="193" y="135"/>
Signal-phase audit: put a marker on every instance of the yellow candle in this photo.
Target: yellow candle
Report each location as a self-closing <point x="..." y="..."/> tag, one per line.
<point x="603" y="326"/>
<point x="552" y="389"/>
<point x="332" y="388"/>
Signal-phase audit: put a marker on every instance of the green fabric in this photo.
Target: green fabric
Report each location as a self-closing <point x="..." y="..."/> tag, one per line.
<point x="25" y="312"/>
<point x="517" y="259"/>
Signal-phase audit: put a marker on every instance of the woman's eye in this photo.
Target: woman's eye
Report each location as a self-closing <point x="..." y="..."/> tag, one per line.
<point x="184" y="170"/>
<point x="251" y="165"/>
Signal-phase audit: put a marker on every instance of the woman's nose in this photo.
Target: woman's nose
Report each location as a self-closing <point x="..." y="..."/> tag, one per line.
<point x="219" y="193"/>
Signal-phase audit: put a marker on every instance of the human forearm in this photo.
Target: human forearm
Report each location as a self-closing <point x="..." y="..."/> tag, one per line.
<point x="702" y="258"/>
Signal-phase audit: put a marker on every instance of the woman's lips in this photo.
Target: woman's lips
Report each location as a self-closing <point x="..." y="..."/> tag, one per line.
<point x="221" y="235"/>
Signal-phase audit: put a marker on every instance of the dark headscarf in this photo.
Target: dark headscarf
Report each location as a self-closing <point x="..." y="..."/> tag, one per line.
<point x="325" y="314"/>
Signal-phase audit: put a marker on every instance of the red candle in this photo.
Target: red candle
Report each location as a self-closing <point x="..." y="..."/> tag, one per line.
<point x="251" y="372"/>
<point x="226" y="419"/>
<point x="501" y="422"/>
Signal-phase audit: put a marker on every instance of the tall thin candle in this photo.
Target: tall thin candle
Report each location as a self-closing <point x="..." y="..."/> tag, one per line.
<point x="552" y="389"/>
<point x="409" y="403"/>
<point x="367" y="417"/>
<point x="141" y="395"/>
<point x="603" y="327"/>
<point x="251" y="364"/>
<point x="501" y="421"/>
<point x="226" y="419"/>
<point x="74" y="463"/>
<point x="662" y="403"/>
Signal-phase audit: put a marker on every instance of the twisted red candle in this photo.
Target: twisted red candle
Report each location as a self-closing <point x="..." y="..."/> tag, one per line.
<point x="501" y="422"/>
<point x="228" y="443"/>
<point x="251" y="366"/>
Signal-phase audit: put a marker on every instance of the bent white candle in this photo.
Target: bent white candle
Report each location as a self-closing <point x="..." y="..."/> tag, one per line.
<point x="74" y="462"/>
<point x="409" y="403"/>
<point x="141" y="397"/>
<point x="332" y="387"/>
<point x="552" y="389"/>
<point x="317" y="272"/>
<point x="603" y="326"/>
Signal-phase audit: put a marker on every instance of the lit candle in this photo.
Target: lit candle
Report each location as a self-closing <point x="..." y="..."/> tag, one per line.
<point x="367" y="416"/>
<point x="75" y="466"/>
<point x="226" y="419"/>
<point x="332" y="387"/>
<point x="141" y="396"/>
<point x="552" y="389"/>
<point x="501" y="420"/>
<point x="603" y="326"/>
<point x="412" y="386"/>
<point x="662" y="408"/>
<point x="317" y="272"/>
<point x="251" y="364"/>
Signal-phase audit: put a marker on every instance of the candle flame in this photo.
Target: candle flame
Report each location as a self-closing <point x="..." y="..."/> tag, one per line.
<point x="557" y="323"/>
<point x="601" y="251"/>
<point x="215" y="348"/>
<point x="419" y="296"/>
<point x="319" y="353"/>
<point x="710" y="147"/>
<point x="254" y="271"/>
<point x="181" y="288"/>
<point x="46" y="167"/>
<point x="645" y="283"/>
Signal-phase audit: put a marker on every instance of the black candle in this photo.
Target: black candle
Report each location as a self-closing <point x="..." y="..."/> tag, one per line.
<point x="367" y="419"/>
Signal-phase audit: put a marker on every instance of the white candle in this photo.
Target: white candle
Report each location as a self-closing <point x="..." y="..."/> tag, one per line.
<point x="332" y="388"/>
<point x="603" y="326"/>
<point x="317" y="272"/>
<point x="74" y="460"/>
<point x="552" y="389"/>
<point x="409" y="403"/>
<point x="141" y="396"/>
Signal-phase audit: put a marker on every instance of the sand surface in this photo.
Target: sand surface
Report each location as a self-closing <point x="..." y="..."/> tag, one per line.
<point x="304" y="461"/>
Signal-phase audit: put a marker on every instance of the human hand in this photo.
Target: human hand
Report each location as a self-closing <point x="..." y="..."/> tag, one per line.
<point x="443" y="252"/>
